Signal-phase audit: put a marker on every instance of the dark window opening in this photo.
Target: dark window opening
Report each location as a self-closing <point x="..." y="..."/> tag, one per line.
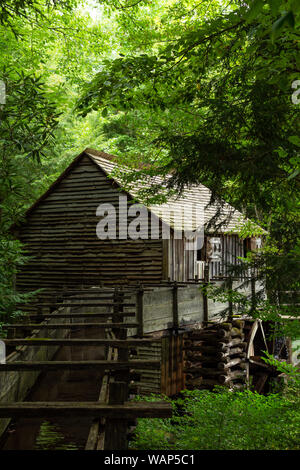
<point x="246" y="246"/>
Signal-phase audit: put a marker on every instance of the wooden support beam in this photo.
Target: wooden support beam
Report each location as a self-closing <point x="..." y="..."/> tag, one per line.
<point x="230" y="303"/>
<point x="175" y="306"/>
<point x="116" y="427"/>
<point x="234" y="362"/>
<point x="140" y="310"/>
<point x="64" y="326"/>
<point x="253" y="294"/>
<point x="71" y="298"/>
<point x="98" y="298"/>
<point x="82" y="304"/>
<point x="117" y="343"/>
<point x="205" y="298"/>
<point x="232" y="375"/>
<point x="77" y="365"/>
<point x="88" y="290"/>
<point x="215" y="345"/>
<point x="75" y="315"/>
<point x="262" y="379"/>
<point x="123" y="355"/>
<point x="96" y="435"/>
<point x="127" y="410"/>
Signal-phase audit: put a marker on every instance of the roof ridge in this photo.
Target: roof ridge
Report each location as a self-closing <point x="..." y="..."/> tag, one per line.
<point x="98" y="153"/>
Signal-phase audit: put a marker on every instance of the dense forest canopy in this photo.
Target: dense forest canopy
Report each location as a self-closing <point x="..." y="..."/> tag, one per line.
<point x="207" y="89"/>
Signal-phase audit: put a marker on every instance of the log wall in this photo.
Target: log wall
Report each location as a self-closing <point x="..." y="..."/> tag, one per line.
<point x="216" y="355"/>
<point x="60" y="233"/>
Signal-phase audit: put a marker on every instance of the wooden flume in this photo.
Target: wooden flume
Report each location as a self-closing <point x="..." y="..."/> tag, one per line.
<point x="113" y="411"/>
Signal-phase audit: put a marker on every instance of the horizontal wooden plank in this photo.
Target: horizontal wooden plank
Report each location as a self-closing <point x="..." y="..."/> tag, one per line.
<point x="100" y="366"/>
<point x="93" y="409"/>
<point x="91" y="290"/>
<point x="78" y="315"/>
<point x="84" y="304"/>
<point x="83" y="298"/>
<point x="117" y="343"/>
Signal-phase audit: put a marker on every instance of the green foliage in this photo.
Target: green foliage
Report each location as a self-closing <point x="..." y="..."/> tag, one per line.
<point x="9" y="9"/>
<point x="27" y="121"/>
<point x="11" y="259"/>
<point x="209" y="92"/>
<point x="284" y="320"/>
<point x="41" y="43"/>
<point x="224" y="420"/>
<point x="199" y="88"/>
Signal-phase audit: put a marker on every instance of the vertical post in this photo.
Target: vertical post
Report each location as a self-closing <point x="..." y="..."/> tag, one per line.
<point x="175" y="306"/>
<point x="206" y="272"/>
<point x="140" y="310"/>
<point x="121" y="333"/>
<point x="205" y="299"/>
<point x="173" y="341"/>
<point x="123" y="355"/>
<point x="230" y="304"/>
<point x="116" y="429"/>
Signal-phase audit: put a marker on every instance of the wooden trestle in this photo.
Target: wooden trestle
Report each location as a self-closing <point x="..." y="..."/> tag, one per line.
<point x="113" y="413"/>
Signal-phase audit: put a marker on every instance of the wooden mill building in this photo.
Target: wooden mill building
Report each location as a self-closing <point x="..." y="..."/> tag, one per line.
<point x="59" y="233"/>
<point x="61" y="238"/>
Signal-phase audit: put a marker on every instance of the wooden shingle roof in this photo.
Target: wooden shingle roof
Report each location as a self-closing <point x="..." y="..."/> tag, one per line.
<point x="225" y="218"/>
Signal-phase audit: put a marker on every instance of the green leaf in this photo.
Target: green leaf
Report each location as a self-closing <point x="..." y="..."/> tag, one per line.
<point x="294" y="174"/>
<point x="255" y="9"/>
<point x="274" y="5"/>
<point x="294" y="139"/>
<point x="287" y="17"/>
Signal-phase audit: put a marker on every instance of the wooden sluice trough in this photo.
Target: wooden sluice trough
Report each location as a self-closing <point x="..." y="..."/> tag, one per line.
<point x="113" y="406"/>
<point x="163" y="345"/>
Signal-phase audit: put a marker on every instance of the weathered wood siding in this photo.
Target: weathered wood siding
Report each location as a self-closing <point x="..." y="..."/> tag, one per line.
<point x="60" y="233"/>
<point x="169" y="379"/>
<point x="181" y="262"/>
<point x="158" y="308"/>
<point x="172" y="366"/>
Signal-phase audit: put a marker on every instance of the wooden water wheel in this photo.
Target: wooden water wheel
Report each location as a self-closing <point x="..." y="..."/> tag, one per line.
<point x="259" y="373"/>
